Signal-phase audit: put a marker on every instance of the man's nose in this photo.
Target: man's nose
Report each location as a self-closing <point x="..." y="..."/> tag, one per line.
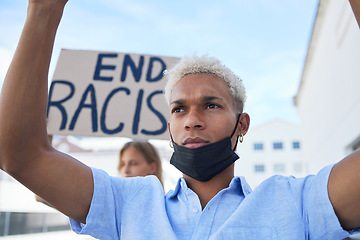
<point x="194" y="120"/>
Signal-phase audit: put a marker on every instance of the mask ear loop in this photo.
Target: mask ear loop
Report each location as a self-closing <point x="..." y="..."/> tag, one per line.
<point x="237" y="139"/>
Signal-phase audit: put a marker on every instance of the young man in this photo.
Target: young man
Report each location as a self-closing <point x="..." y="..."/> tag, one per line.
<point x="206" y="104"/>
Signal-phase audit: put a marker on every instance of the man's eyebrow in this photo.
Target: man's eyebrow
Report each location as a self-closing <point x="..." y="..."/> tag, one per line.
<point x="178" y="102"/>
<point x="210" y="98"/>
<point x="203" y="99"/>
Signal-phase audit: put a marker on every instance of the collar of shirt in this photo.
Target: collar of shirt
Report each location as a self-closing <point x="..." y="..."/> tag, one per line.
<point x="236" y="184"/>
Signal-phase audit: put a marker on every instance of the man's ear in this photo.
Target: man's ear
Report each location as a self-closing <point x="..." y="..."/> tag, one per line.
<point x="243" y="125"/>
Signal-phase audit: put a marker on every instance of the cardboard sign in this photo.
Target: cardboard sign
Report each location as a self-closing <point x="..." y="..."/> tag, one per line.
<point x="109" y="94"/>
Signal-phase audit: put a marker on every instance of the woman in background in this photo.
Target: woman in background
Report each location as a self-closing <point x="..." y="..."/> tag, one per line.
<point x="136" y="158"/>
<point x="139" y="158"/>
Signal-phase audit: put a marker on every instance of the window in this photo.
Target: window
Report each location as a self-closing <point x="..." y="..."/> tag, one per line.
<point x="259" y="168"/>
<point x="279" y="167"/>
<point x="258" y="146"/>
<point x="278" y="145"/>
<point x="296" y="145"/>
<point x="15" y="223"/>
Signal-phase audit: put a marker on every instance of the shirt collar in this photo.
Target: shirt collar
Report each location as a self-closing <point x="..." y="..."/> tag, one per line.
<point x="181" y="183"/>
<point x="244" y="185"/>
<point x="237" y="183"/>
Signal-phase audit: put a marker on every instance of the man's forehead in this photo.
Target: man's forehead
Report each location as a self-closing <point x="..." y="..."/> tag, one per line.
<point x="201" y="85"/>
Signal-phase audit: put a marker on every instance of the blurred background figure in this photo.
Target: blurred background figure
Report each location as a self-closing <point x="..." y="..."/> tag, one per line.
<point x="139" y="158"/>
<point x="136" y="158"/>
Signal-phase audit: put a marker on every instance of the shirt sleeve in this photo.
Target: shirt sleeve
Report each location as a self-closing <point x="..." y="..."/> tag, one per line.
<point x="101" y="214"/>
<point x="314" y="203"/>
<point x="110" y="196"/>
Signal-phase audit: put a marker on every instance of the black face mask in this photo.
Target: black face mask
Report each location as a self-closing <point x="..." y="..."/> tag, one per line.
<point x="205" y="162"/>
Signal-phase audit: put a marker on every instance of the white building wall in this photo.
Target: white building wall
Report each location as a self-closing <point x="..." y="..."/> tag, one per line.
<point x="272" y="159"/>
<point x="328" y="99"/>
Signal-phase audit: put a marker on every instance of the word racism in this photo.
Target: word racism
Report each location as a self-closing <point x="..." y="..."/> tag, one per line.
<point x="109" y="94"/>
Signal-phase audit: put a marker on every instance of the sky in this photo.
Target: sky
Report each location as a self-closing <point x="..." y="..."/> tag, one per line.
<point x="264" y="42"/>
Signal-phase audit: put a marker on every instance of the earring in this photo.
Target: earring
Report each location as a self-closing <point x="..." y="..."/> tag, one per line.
<point x="241" y="137"/>
<point x="171" y="144"/>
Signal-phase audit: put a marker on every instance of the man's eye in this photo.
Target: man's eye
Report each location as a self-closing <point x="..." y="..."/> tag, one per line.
<point x="212" y="105"/>
<point x="177" y="110"/>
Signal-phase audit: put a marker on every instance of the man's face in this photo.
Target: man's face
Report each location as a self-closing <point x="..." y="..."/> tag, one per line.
<point x="201" y="111"/>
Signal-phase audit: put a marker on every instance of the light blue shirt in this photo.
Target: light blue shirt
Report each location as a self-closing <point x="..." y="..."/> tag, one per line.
<point x="280" y="208"/>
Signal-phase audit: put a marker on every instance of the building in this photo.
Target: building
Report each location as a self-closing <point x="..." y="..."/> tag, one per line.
<point x="272" y="148"/>
<point x="328" y="99"/>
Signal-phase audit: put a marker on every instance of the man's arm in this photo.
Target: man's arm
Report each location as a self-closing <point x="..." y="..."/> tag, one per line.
<point x="355" y="5"/>
<point x="25" y="152"/>
<point x="344" y="190"/>
<point x="344" y="179"/>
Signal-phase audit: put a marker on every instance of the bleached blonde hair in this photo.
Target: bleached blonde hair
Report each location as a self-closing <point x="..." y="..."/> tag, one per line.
<point x="205" y="64"/>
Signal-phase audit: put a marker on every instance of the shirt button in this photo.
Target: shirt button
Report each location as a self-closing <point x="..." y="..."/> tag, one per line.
<point x="195" y="210"/>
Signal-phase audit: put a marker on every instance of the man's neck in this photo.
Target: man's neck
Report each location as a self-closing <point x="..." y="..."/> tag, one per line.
<point x="207" y="190"/>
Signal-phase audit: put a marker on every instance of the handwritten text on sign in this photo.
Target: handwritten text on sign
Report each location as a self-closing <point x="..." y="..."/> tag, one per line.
<point x="109" y="94"/>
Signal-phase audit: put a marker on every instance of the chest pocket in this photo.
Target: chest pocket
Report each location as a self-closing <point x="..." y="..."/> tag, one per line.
<point x="263" y="233"/>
